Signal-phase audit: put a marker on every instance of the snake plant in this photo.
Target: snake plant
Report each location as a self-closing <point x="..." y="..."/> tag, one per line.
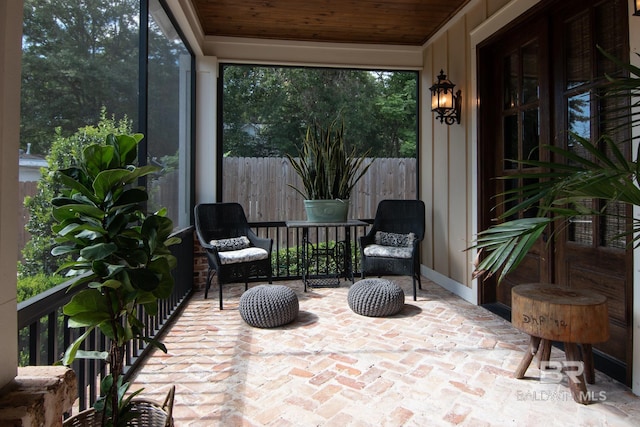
<point x="327" y="168"/>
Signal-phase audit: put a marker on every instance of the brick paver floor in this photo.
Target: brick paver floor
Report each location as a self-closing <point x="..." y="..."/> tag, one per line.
<point x="441" y="361"/>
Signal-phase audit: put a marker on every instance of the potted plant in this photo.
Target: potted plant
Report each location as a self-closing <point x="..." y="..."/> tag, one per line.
<point x="329" y="171"/>
<point x="118" y="253"/>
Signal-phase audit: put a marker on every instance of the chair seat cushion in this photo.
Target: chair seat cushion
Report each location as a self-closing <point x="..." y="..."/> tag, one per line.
<point x="243" y="255"/>
<point x="388" y="251"/>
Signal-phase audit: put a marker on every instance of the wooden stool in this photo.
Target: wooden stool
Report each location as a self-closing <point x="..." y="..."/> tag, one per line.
<point x="558" y="313"/>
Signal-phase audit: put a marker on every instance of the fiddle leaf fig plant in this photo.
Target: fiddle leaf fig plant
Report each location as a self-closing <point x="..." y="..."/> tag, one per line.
<point x="118" y="253"/>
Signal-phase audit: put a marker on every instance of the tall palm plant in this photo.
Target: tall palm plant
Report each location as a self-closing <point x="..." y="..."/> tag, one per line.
<point x="599" y="171"/>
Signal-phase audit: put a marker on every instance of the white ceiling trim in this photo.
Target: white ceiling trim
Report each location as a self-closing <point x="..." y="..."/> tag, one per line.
<point x="282" y="52"/>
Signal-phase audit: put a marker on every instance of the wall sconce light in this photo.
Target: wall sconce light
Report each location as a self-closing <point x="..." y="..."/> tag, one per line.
<point x="636" y="4"/>
<point x="444" y="103"/>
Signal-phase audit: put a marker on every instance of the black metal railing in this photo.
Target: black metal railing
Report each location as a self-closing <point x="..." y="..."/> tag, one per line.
<point x="43" y="334"/>
<point x="287" y="254"/>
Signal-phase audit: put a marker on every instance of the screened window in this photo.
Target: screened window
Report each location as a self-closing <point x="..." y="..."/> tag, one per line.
<point x="90" y="69"/>
<point x="169" y="116"/>
<point x="267" y="109"/>
<point x="589" y="115"/>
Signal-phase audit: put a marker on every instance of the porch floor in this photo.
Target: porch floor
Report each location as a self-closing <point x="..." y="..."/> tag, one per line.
<point x="440" y="361"/>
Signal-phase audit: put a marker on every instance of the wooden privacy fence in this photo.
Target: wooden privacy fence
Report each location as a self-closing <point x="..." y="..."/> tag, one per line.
<point x="261" y="186"/>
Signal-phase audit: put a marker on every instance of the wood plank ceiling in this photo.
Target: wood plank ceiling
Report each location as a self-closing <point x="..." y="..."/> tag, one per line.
<point x="396" y="22"/>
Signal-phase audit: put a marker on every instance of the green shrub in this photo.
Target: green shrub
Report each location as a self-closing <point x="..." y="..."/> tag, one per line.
<point x="30" y="286"/>
<point x="288" y="261"/>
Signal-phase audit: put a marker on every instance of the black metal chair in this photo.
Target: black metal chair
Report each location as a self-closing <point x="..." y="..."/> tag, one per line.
<point x="392" y="246"/>
<point x="234" y="252"/>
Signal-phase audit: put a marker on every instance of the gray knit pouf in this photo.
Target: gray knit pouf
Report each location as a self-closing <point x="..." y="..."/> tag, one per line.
<point x="268" y="306"/>
<point x="375" y="297"/>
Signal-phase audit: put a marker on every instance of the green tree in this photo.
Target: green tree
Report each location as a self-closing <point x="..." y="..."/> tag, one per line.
<point x="76" y="60"/>
<point x="397" y="114"/>
<point x="36" y="254"/>
<point x="245" y="105"/>
<point x="29" y="287"/>
<point x="278" y="103"/>
<point x="325" y="94"/>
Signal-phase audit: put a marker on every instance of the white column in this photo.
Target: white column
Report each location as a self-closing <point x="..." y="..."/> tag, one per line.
<point x="206" y="140"/>
<point x="10" y="57"/>
<point x="184" y="145"/>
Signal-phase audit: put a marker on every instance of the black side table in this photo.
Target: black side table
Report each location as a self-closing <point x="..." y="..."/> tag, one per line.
<point x="347" y="267"/>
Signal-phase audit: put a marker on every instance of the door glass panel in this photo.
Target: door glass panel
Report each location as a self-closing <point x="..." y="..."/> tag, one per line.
<point x="613" y="112"/>
<point x="510" y="141"/>
<point x="530" y="89"/>
<point x="612" y="41"/>
<point x="613" y="224"/>
<point x="531" y="212"/>
<point x="579" y="123"/>
<point x="510" y="184"/>
<point x="581" y="226"/>
<point x="578" y="45"/>
<point x="511" y="81"/>
<point x="613" y="119"/>
<point x="612" y="123"/>
<point x="530" y="135"/>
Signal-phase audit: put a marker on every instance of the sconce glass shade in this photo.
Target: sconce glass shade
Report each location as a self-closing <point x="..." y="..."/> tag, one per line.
<point x="636" y="5"/>
<point x="444" y="102"/>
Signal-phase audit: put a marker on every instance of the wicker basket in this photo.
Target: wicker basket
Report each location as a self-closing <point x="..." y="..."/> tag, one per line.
<point x="147" y="414"/>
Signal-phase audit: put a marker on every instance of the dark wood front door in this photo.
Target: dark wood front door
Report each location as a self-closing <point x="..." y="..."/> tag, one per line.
<point x="515" y="123"/>
<point x="539" y="83"/>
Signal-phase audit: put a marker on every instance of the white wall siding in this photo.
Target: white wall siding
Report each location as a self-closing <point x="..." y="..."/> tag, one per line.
<point x="449" y="180"/>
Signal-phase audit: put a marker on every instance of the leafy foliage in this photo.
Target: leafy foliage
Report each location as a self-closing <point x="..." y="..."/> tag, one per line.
<point x="598" y="171"/>
<point x="328" y="170"/>
<point x="36" y="254"/>
<point x="120" y="254"/>
<point x="288" y="261"/>
<point x="397" y="115"/>
<point x="279" y="103"/>
<point x="31" y="286"/>
<point x="76" y="60"/>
